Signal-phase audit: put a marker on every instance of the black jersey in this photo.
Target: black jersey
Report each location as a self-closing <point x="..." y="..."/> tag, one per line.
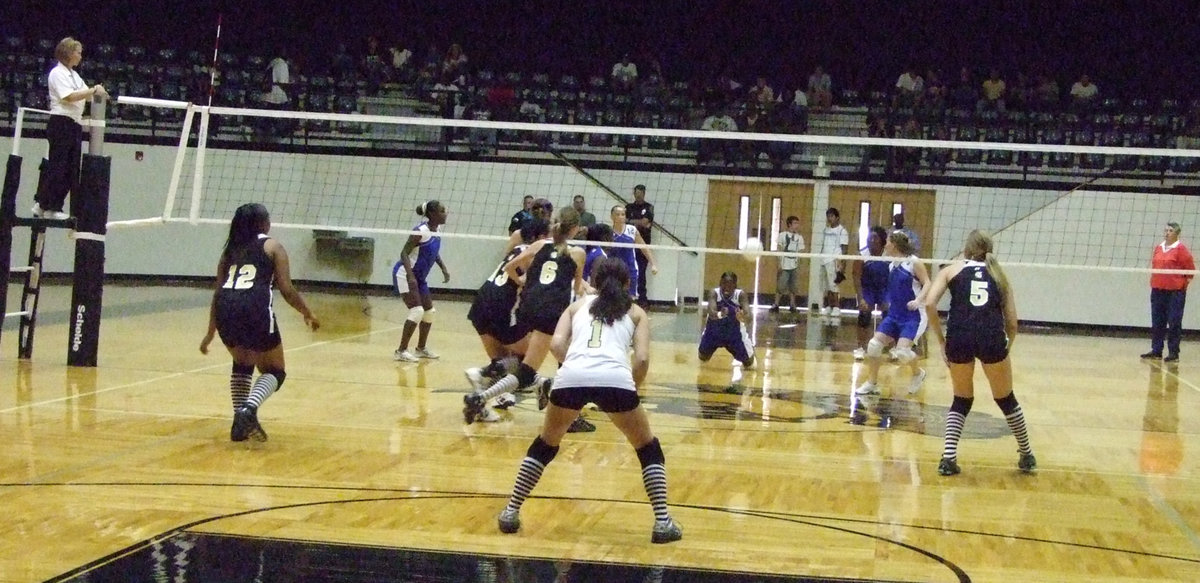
<point x="976" y="302"/>
<point x="245" y="316"/>
<point x="547" y="291"/>
<point x="499" y="291"/>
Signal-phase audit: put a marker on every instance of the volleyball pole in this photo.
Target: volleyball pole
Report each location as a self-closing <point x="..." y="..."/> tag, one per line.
<point x="89" y="206"/>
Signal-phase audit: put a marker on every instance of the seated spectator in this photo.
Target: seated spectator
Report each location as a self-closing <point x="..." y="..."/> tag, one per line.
<point x="454" y="64"/>
<point x="935" y="92"/>
<point x="753" y="122"/>
<point x="782" y="121"/>
<point x="939" y="157"/>
<point x="342" y="65"/>
<point x="1046" y="93"/>
<point x="799" y="110"/>
<point x="1084" y="94"/>
<point x="820" y="89"/>
<point x="372" y="64"/>
<point x="720" y="121"/>
<point x="624" y="74"/>
<point x="1020" y="94"/>
<point x="654" y="83"/>
<point x="909" y="159"/>
<point x="762" y="95"/>
<point x="401" y="63"/>
<point x="876" y="128"/>
<point x="964" y="96"/>
<point x="909" y="87"/>
<point x="994" y="91"/>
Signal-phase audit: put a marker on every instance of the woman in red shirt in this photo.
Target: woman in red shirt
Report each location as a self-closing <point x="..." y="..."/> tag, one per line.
<point x="1167" y="293"/>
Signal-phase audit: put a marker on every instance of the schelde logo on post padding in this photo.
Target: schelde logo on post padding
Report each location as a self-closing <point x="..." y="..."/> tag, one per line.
<point x="77" y="336"/>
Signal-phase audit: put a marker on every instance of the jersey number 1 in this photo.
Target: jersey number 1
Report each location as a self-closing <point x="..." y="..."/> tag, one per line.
<point x="594" y="339"/>
<point x="240" y="277"/>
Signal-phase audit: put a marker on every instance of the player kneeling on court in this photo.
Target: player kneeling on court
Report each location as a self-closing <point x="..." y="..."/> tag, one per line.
<point x="725" y="322"/>
<point x="592" y="340"/>
<point x="241" y="312"/>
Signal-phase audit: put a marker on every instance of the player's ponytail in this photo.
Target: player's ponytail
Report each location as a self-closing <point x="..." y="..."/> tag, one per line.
<point x="249" y="221"/>
<point x="568" y="221"/>
<point x="610" y="277"/>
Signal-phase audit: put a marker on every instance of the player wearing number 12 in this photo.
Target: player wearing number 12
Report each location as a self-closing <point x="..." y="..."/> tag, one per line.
<point x="982" y="325"/>
<point x="243" y="314"/>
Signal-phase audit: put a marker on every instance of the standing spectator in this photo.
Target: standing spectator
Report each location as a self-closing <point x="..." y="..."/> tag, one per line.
<point x="1084" y="93"/>
<point x="640" y="214"/>
<point x="994" y="91"/>
<point x="520" y="217"/>
<point x="277" y="97"/>
<point x="834" y="241"/>
<point x="913" y="240"/>
<point x="624" y="74"/>
<point x="908" y="88"/>
<point x="789" y="241"/>
<point x="820" y="89"/>
<point x="1168" y="291"/>
<point x="586" y="219"/>
<point x="64" y="132"/>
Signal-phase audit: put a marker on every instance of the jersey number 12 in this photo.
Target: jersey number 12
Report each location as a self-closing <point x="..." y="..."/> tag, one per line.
<point x="240" y="277"/>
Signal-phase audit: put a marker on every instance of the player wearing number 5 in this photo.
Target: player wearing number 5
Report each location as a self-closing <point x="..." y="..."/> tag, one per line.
<point x="548" y="271"/>
<point x="592" y="339"/>
<point x="982" y="325"/>
<point x="242" y="313"/>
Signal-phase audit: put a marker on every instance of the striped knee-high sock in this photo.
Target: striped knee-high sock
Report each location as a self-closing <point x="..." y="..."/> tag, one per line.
<point x="1016" y="421"/>
<point x="264" y="387"/>
<point x="239" y="385"/>
<point x="955" y="420"/>
<point x="654" y="477"/>
<point x="540" y="455"/>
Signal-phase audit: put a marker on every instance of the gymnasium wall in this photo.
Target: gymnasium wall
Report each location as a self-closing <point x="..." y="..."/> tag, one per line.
<point x="1118" y="225"/>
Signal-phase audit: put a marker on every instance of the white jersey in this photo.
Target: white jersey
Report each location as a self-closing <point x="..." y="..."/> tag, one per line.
<point x="599" y="353"/>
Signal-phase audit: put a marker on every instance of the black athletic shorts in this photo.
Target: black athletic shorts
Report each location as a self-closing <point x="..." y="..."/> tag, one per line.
<point x="253" y="328"/>
<point x="544" y="321"/>
<point x="607" y="399"/>
<point x="965" y="348"/>
<point x="496" y="324"/>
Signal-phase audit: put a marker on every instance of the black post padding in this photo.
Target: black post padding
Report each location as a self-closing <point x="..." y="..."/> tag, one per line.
<point x="8" y="212"/>
<point x="90" y="206"/>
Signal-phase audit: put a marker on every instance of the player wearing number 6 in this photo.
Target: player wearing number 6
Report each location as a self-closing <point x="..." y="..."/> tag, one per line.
<point x="242" y="313"/>
<point x="982" y="325"/>
<point x="548" y="271"/>
<point x="592" y="339"/>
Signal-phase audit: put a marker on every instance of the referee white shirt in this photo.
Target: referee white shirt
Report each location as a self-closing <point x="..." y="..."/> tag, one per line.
<point x="62" y="82"/>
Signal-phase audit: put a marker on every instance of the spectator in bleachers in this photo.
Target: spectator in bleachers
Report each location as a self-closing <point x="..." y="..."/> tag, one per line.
<point x="373" y="68"/>
<point x="909" y="88"/>
<point x="876" y="128"/>
<point x="964" y="96"/>
<point x="936" y="92"/>
<point x="401" y="62"/>
<point x="342" y="65"/>
<point x="753" y="122"/>
<point x="798" y="109"/>
<point x="820" y="89"/>
<point x="939" y="157"/>
<point x="909" y="159"/>
<point x="624" y="74"/>
<point x="1046" y="93"/>
<point x="1084" y="94"/>
<point x="994" y="92"/>
<point x="454" y="64"/>
<point x="719" y="121"/>
<point x="654" y="83"/>
<point x="761" y="94"/>
<point x="280" y="80"/>
<point x="1020" y="94"/>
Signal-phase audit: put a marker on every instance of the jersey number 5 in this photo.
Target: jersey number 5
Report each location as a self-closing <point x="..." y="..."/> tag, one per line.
<point x="240" y="277"/>
<point x="979" y="293"/>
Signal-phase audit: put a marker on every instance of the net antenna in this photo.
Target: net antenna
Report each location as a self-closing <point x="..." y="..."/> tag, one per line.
<point x="212" y="78"/>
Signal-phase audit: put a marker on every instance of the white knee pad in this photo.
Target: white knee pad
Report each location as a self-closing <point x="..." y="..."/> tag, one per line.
<point x="875" y="348"/>
<point x="415" y="314"/>
<point x="428" y="317"/>
<point x="904" y="355"/>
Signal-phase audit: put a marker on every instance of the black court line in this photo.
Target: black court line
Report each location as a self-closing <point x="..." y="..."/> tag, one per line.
<point x="675" y="574"/>
<point x="807" y="519"/>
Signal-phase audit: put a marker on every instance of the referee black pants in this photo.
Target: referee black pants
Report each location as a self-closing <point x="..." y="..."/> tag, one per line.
<point x="643" y="264"/>
<point x="61" y="174"/>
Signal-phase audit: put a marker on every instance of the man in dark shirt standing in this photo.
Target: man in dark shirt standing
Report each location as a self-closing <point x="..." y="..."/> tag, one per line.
<point x="522" y="215"/>
<point x="640" y="214"/>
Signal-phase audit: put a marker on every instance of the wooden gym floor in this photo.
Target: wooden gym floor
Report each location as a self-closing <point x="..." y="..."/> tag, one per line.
<point x="780" y="472"/>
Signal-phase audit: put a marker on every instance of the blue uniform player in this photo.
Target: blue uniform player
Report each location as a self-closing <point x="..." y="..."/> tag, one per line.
<point x="409" y="276"/>
<point x="598" y="233"/>
<point x="871" y="279"/>
<point x="905" y="320"/>
<point x="725" y="322"/>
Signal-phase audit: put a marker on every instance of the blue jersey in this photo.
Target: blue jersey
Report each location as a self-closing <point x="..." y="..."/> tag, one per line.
<point x="427" y="251"/>
<point x="902" y="288"/>
<point x="593" y="254"/>
<point x="726" y="332"/>
<point x="627" y="254"/>
<point x="874" y="275"/>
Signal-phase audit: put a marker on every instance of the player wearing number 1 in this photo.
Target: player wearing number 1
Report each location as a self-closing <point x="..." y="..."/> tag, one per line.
<point x="592" y="339"/>
<point x="982" y="325"/>
<point x="243" y="314"/>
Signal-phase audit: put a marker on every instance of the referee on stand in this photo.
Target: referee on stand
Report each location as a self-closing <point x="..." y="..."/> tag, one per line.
<point x="64" y="132"/>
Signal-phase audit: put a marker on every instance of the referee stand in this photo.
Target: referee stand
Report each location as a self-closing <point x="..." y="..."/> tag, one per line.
<point x="89" y="216"/>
